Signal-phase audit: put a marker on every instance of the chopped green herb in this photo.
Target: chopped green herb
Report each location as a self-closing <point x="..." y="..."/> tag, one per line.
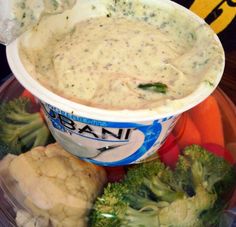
<point x="55" y="4"/>
<point x="209" y="82"/>
<point x="193" y="37"/>
<point x="156" y="87"/>
<point x="24" y="15"/>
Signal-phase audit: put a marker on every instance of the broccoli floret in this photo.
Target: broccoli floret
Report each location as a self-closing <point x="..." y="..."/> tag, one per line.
<point x="187" y="211"/>
<point x="213" y="172"/>
<point x="153" y="195"/>
<point x="156" y="180"/>
<point x="202" y="171"/>
<point x="137" y="199"/>
<point x="21" y="130"/>
<point x="114" y="209"/>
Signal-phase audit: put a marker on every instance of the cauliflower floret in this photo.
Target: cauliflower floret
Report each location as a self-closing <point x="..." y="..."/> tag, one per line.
<point x="56" y="185"/>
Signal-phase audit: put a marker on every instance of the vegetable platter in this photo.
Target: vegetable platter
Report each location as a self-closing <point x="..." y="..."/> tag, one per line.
<point x="190" y="184"/>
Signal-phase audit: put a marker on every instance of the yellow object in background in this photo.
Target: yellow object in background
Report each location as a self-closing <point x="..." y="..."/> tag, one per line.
<point x="219" y="14"/>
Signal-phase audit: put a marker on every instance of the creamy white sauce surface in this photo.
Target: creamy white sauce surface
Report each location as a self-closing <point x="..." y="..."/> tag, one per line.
<point x="102" y="61"/>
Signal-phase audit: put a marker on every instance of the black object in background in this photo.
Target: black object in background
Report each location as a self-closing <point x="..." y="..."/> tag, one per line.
<point x="4" y="67"/>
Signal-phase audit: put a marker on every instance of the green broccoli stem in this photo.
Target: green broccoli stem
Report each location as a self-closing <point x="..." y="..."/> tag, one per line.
<point x="42" y="136"/>
<point x="26" y="129"/>
<point x="23" y="117"/>
<point x="138" y="202"/>
<point x="134" y="218"/>
<point x="203" y="200"/>
<point x="14" y="135"/>
<point x="162" y="191"/>
<point x="36" y="138"/>
<point x="186" y="212"/>
<point x="197" y="173"/>
<point x="29" y="139"/>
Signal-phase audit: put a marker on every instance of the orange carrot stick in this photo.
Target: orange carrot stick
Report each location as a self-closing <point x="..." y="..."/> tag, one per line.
<point x="186" y="132"/>
<point x="207" y="118"/>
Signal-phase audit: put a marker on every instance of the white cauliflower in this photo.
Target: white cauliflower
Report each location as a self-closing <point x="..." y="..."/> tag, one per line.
<point x="56" y="185"/>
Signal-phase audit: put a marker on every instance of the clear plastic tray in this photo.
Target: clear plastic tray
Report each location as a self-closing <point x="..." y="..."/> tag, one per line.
<point x="8" y="204"/>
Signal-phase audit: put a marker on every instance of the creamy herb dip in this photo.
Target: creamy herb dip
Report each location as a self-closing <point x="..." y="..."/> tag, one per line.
<point x="102" y="61"/>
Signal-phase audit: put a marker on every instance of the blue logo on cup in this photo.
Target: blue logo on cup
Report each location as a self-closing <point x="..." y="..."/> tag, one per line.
<point x="103" y="142"/>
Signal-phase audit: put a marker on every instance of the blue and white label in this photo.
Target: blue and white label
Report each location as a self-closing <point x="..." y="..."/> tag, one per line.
<point x="107" y="143"/>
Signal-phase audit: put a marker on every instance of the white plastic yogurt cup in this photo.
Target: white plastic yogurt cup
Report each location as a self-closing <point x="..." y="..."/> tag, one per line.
<point x="108" y="137"/>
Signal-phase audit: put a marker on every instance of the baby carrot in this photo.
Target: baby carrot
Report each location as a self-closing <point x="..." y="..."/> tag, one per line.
<point x="207" y="118"/>
<point x="186" y="132"/>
